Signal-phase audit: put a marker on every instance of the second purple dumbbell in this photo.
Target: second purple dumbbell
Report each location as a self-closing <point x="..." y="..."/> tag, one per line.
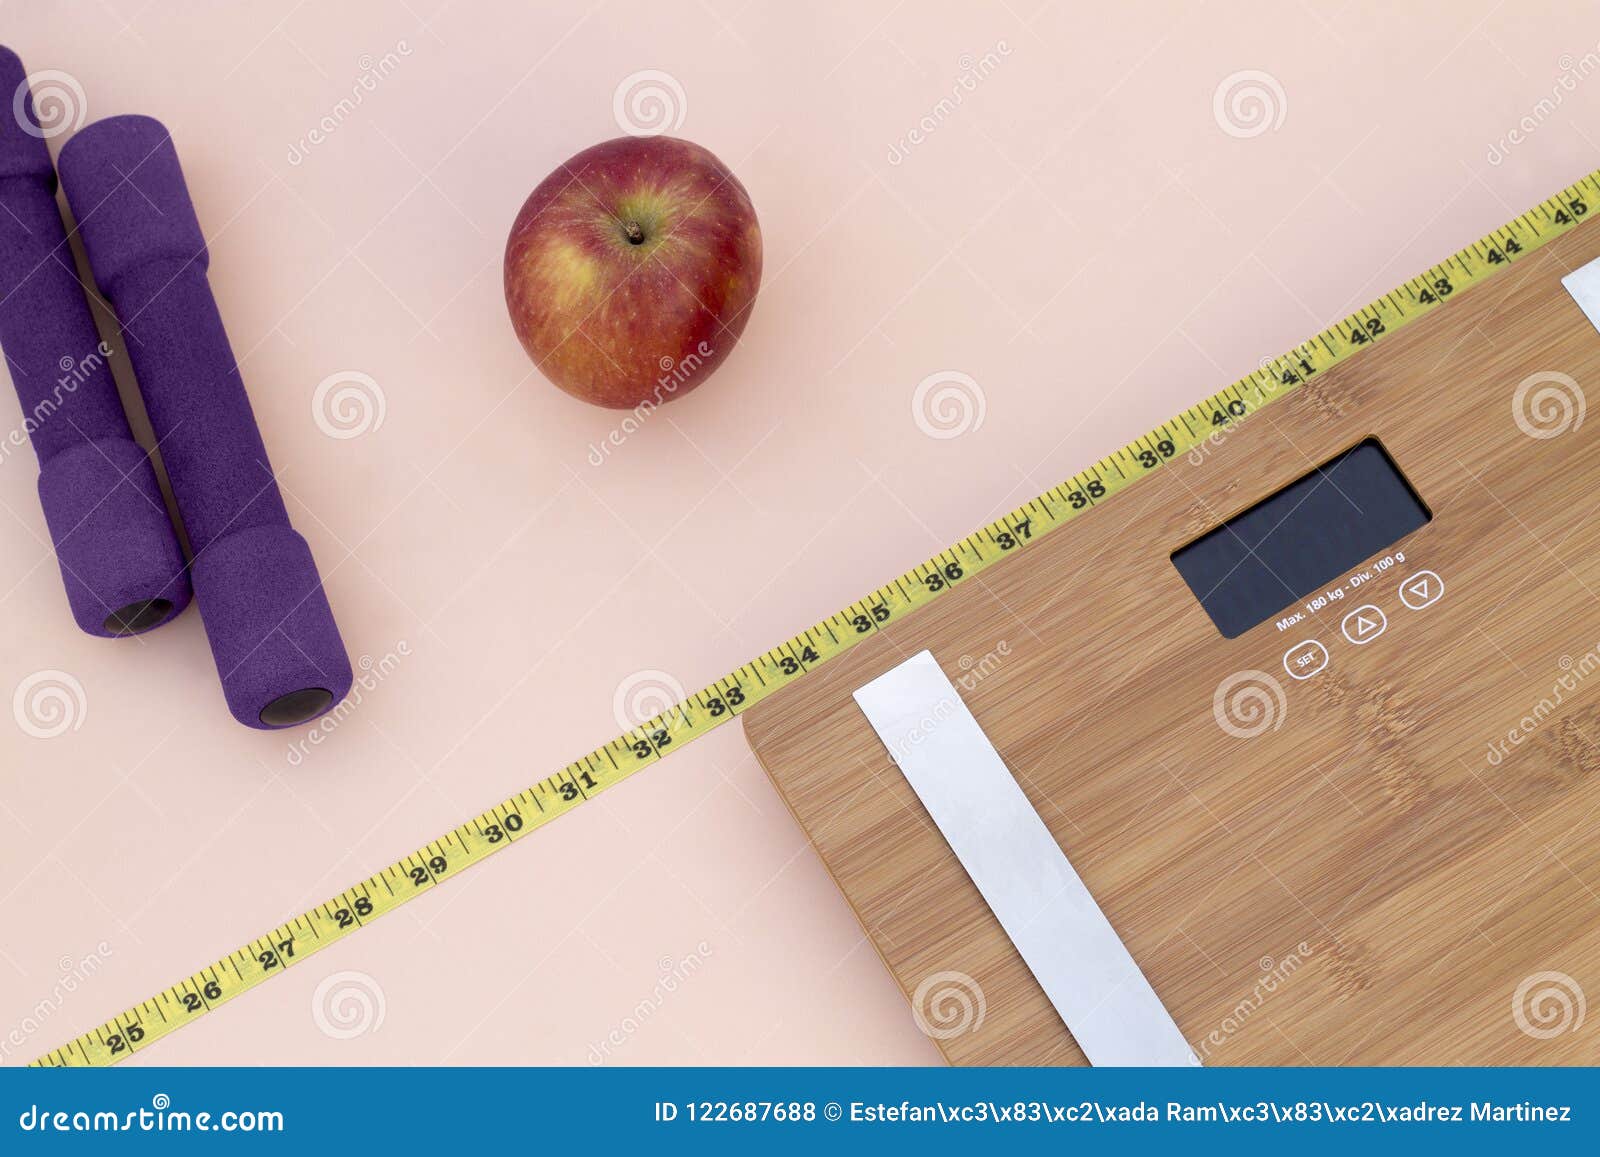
<point x="271" y="630"/>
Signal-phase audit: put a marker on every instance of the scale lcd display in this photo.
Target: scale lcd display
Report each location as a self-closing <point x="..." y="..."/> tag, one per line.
<point x="1285" y="547"/>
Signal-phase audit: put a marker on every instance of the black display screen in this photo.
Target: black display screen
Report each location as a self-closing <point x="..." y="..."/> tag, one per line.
<point x="1285" y="547"/>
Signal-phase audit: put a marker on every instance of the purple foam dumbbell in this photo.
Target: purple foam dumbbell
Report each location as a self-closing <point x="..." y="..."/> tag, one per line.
<point x="119" y="556"/>
<point x="272" y="632"/>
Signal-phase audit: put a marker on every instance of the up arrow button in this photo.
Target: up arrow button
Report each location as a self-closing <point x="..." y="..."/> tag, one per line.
<point x="1421" y="590"/>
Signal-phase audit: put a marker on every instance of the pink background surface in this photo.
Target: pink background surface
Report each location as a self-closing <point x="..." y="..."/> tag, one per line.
<point x="1081" y="234"/>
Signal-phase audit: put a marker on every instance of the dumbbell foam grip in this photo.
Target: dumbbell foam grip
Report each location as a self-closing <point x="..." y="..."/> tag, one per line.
<point x="272" y="632"/>
<point x="119" y="558"/>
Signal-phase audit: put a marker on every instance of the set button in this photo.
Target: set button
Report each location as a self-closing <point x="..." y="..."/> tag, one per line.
<point x="1305" y="659"/>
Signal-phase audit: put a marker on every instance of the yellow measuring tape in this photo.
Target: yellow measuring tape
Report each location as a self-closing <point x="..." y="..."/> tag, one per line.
<point x="518" y="817"/>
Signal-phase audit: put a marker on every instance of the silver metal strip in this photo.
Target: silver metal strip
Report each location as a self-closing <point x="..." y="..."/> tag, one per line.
<point x="1074" y="953"/>
<point x="1584" y="285"/>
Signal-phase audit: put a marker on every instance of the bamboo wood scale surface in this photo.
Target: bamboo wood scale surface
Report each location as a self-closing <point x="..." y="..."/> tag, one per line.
<point x="1377" y="865"/>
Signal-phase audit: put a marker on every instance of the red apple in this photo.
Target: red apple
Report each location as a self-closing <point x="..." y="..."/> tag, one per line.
<point x="631" y="270"/>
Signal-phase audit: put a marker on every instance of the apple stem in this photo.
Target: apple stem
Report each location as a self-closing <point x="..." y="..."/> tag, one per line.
<point x="634" y="234"/>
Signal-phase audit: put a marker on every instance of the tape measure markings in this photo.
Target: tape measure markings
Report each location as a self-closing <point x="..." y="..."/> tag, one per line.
<point x="521" y="815"/>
